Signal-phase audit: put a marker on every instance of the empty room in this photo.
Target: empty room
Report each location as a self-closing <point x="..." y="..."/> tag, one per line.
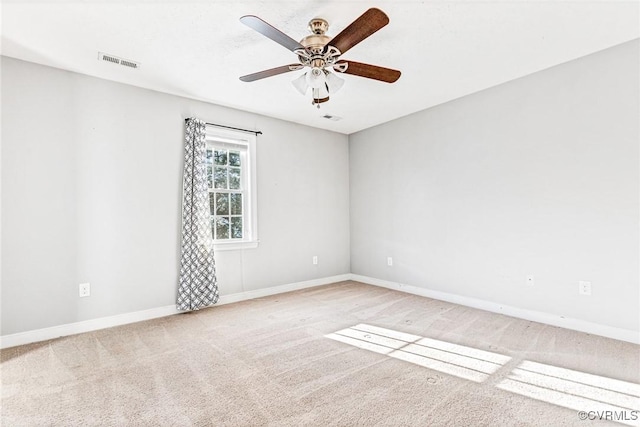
<point x="320" y="213"/>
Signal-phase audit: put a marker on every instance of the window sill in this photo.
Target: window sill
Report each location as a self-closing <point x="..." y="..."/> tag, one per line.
<point x="235" y="246"/>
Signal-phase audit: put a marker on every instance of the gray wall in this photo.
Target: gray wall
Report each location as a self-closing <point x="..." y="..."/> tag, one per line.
<point x="538" y="176"/>
<point x="91" y="185"/>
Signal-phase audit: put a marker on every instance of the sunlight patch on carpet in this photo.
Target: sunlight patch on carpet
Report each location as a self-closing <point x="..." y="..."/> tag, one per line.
<point x="453" y="359"/>
<point x="598" y="397"/>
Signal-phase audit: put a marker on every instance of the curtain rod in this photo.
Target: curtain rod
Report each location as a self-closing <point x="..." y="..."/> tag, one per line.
<point x="257" y="132"/>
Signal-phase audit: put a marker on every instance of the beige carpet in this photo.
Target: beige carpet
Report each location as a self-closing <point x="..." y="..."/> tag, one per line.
<point x="346" y="354"/>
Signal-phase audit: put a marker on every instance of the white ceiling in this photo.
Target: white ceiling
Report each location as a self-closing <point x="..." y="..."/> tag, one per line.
<point x="198" y="49"/>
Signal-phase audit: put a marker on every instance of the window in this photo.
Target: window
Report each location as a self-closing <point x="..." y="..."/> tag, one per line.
<point x="230" y="160"/>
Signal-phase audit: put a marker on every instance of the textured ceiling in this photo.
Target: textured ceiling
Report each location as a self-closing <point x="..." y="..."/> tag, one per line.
<point x="198" y="49"/>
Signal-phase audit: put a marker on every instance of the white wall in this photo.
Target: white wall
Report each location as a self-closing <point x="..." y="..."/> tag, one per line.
<point x="538" y="176"/>
<point x="91" y="190"/>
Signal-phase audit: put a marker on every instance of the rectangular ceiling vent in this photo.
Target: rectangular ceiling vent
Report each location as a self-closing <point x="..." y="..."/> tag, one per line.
<point x="330" y="117"/>
<point x="119" y="61"/>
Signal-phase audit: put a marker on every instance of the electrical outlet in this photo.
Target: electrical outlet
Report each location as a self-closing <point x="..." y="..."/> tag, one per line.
<point x="84" y="289"/>
<point x="390" y="261"/>
<point x="530" y="281"/>
<point x="584" y="288"/>
<point x="315" y="260"/>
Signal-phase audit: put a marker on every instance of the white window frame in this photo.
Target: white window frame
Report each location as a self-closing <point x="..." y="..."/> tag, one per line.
<point x="246" y="144"/>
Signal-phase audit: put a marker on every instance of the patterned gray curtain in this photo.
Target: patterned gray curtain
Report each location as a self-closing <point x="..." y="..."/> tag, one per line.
<point x="198" y="284"/>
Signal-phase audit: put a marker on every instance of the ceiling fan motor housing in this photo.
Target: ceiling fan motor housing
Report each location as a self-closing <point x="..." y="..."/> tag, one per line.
<point x="317" y="52"/>
<point x="315" y="42"/>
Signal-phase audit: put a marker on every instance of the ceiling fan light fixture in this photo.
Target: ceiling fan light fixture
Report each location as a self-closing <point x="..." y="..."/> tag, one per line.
<point x="301" y="84"/>
<point x="316" y="78"/>
<point x="334" y="83"/>
<point x="320" y="93"/>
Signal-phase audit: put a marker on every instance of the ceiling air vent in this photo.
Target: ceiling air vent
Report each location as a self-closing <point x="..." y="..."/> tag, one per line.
<point x="330" y="117"/>
<point x="128" y="63"/>
<point x="119" y="61"/>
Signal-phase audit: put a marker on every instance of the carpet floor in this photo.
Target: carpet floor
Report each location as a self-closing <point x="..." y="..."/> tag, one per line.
<point x="346" y="354"/>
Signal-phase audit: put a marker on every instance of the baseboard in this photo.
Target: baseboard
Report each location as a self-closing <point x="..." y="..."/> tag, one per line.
<point x="259" y="293"/>
<point x="532" y="315"/>
<point x="44" y="334"/>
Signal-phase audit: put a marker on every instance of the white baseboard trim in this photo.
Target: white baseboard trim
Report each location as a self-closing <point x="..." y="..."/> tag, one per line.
<point x="521" y="313"/>
<point x="259" y="293"/>
<point x="44" y="334"/>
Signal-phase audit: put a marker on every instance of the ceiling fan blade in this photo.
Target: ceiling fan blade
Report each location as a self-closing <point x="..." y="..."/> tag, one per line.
<point x="368" y="23"/>
<point x="372" y="72"/>
<point x="270" y="72"/>
<point x="271" y="32"/>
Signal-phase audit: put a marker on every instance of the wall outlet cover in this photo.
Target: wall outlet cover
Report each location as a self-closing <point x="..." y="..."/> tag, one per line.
<point x="84" y="290"/>
<point x="584" y="288"/>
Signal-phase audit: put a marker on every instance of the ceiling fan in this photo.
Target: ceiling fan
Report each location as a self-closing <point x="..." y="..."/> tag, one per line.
<point x="322" y="54"/>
